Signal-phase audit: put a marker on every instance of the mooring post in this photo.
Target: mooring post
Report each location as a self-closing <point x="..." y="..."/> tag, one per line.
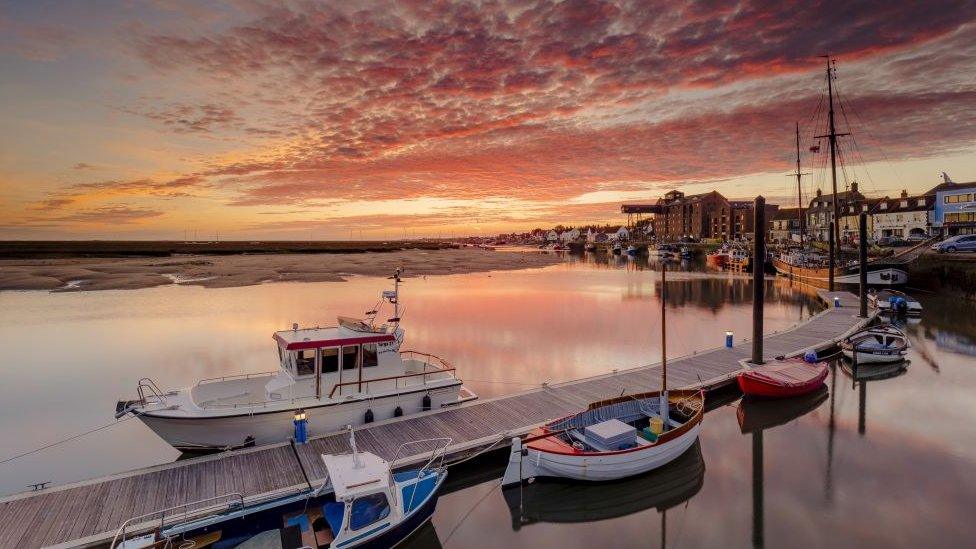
<point x="863" y="263"/>
<point x="758" y="275"/>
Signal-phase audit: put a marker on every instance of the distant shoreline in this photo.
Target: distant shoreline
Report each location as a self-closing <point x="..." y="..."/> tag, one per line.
<point x="224" y="269"/>
<point x="43" y="249"/>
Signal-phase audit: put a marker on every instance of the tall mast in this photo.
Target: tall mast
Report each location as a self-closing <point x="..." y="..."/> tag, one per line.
<point x="832" y="136"/>
<point x="799" y="190"/>
<point x="663" y="401"/>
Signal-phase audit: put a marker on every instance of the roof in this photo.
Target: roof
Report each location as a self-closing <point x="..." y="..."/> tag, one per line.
<point x="311" y="338"/>
<point x="348" y="479"/>
<point x="894" y="204"/>
<point x="788" y="213"/>
<point x="951" y="186"/>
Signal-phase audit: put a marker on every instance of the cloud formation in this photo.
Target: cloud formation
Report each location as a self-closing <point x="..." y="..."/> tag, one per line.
<point x="336" y="107"/>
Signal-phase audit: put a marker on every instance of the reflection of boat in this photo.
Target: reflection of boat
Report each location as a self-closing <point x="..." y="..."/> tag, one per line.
<point x="783" y="378"/>
<point x="617" y="248"/>
<point x="893" y="301"/>
<point x="632" y="250"/>
<point x="686" y="253"/>
<point x="875" y="373"/>
<point x="344" y="375"/>
<point x="563" y="502"/>
<point x="878" y="344"/>
<point x="758" y="415"/>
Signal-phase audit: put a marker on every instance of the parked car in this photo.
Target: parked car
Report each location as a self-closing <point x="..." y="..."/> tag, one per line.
<point x="891" y="241"/>
<point x="959" y="243"/>
<point x="917" y="237"/>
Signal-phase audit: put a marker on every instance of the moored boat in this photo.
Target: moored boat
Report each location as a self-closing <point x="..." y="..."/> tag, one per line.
<point x="718" y="258"/>
<point x="878" y="344"/>
<point x="783" y="378"/>
<point x="813" y="267"/>
<point x="349" y="374"/>
<point x="617" y="248"/>
<point x="895" y="302"/>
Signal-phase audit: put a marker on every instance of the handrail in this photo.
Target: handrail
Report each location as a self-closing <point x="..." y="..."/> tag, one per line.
<point x="235" y="376"/>
<point x="443" y="362"/>
<point x="147" y="383"/>
<point x="238" y="497"/>
<point x="439" y="451"/>
<point x="388" y="378"/>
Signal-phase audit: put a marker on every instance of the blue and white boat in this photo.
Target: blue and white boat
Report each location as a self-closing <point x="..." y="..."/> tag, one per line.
<point x="362" y="503"/>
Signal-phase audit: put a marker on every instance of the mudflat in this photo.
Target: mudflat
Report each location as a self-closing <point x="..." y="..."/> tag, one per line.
<point x="221" y="271"/>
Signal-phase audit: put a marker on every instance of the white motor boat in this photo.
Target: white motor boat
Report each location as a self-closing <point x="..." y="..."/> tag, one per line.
<point x="349" y="374"/>
<point x="895" y="302"/>
<point x="877" y="345"/>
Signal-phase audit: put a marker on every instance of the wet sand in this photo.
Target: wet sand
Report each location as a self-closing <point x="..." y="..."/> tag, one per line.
<point x="221" y="271"/>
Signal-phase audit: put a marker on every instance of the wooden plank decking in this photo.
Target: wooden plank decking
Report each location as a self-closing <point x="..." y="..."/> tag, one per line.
<point x="89" y="512"/>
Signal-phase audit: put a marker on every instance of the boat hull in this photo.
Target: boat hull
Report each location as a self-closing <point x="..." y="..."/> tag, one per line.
<point x="215" y="433"/>
<point x="878" y="275"/>
<point x="875" y="357"/>
<point x="762" y="388"/>
<point x="610" y="466"/>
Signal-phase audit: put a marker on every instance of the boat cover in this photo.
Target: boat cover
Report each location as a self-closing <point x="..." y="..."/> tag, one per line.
<point x="789" y="373"/>
<point x="611" y="433"/>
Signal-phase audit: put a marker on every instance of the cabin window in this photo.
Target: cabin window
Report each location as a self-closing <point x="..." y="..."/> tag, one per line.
<point x="368" y="510"/>
<point x="305" y="362"/>
<point x="330" y="360"/>
<point x="350" y="357"/>
<point x="370" y="355"/>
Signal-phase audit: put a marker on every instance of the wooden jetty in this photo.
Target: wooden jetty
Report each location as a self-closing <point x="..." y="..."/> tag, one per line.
<point x="89" y="513"/>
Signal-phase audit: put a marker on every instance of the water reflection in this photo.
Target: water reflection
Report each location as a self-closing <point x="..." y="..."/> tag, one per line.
<point x="555" y="501"/>
<point x="861" y="376"/>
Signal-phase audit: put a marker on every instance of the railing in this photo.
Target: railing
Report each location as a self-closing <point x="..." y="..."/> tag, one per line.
<point x="430" y="360"/>
<point x="148" y="385"/>
<point x="366" y="382"/>
<point x="236" y="376"/>
<point x="436" y="455"/>
<point x="120" y="534"/>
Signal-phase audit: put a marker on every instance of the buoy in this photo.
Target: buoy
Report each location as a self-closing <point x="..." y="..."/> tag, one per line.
<point x="810" y="357"/>
<point x="369" y="415"/>
<point x="397" y="412"/>
<point x="426" y="405"/>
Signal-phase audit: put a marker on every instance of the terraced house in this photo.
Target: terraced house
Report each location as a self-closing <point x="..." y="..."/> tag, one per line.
<point x="954" y="210"/>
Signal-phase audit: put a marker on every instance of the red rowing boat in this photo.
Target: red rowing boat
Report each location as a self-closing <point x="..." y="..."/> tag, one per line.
<point x="783" y="378"/>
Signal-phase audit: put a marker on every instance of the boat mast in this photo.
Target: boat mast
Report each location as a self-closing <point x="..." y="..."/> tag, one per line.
<point x="799" y="190"/>
<point x="664" y="348"/>
<point x="832" y="139"/>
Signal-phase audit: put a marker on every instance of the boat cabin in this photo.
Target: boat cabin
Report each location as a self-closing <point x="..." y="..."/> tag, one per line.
<point x="339" y="356"/>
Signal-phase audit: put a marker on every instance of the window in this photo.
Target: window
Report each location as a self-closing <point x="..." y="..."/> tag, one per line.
<point x="330" y="360"/>
<point x="904" y="203"/>
<point x="350" y="357"/>
<point x="367" y="510"/>
<point x="960" y="217"/>
<point x="884" y="205"/>
<point x="305" y="362"/>
<point x="921" y="201"/>
<point x="370" y="355"/>
<point x="957" y="198"/>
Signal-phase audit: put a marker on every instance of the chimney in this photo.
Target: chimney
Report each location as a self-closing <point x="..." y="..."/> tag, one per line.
<point x="904" y="193"/>
<point x="854" y="187"/>
<point x="819" y="193"/>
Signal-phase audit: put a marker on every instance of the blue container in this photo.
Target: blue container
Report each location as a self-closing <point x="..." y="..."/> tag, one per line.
<point x="728" y="339"/>
<point x="301" y="430"/>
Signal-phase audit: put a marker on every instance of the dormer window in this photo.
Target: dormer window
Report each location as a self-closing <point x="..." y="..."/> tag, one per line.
<point x="884" y="206"/>
<point x="864" y="208"/>
<point x="904" y="203"/>
<point x="921" y="201"/>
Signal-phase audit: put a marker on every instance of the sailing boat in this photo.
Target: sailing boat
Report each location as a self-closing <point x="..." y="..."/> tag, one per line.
<point x="812" y="266"/>
<point x="616" y="438"/>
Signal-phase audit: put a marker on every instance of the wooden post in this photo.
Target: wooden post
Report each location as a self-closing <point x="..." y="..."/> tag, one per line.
<point x="830" y="258"/>
<point x="863" y="263"/>
<point x="758" y="278"/>
<point x="318" y="373"/>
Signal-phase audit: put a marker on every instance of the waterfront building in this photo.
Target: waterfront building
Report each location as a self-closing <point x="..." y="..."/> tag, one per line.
<point x="850" y="220"/>
<point x="820" y="213"/>
<point x="785" y="225"/>
<point x="623" y="233"/>
<point x="552" y="236"/>
<point x="695" y="216"/>
<point x="902" y="217"/>
<point x="954" y="208"/>
<point x="571" y="235"/>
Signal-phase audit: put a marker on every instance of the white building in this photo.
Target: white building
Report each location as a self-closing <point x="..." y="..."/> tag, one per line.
<point x="623" y="233"/>
<point x="901" y="217"/>
<point x="571" y="235"/>
<point x="552" y="236"/>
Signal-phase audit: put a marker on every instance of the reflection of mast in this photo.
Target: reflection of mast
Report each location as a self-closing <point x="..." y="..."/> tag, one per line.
<point x="831" y="428"/>
<point x="862" y="405"/>
<point x="664" y="529"/>
<point x="757" y="490"/>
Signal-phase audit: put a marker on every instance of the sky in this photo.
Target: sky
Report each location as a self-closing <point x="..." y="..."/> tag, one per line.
<point x="240" y="119"/>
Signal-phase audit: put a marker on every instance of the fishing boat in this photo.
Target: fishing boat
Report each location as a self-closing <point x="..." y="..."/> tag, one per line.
<point x="349" y="374"/>
<point x="894" y="302"/>
<point x="556" y="502"/>
<point x="615" y="438"/>
<point x="783" y="378"/>
<point x="876" y="345"/>
<point x="812" y="266"/>
<point x="362" y="503"/>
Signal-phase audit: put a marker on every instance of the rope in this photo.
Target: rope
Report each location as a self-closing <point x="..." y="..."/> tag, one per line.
<point x="471" y="510"/>
<point x="69" y="439"/>
<point x="484" y="450"/>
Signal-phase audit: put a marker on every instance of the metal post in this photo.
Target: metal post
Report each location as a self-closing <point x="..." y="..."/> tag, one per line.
<point x="758" y="278"/>
<point x="863" y="263"/>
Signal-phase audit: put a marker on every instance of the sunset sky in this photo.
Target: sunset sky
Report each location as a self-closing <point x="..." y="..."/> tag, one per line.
<point x="336" y="120"/>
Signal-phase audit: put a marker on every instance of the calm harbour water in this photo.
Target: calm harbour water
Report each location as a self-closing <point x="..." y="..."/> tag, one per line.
<point x="885" y="462"/>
